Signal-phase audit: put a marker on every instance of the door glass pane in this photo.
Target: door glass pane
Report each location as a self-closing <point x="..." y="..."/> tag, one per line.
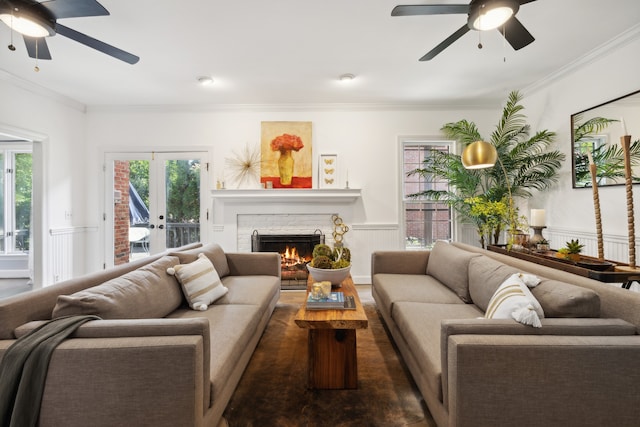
<point x="2" y="180"/>
<point x="23" y="186"/>
<point x="182" y="181"/>
<point x="130" y="210"/>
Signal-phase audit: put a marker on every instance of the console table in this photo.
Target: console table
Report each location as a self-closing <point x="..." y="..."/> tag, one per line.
<point x="548" y="259"/>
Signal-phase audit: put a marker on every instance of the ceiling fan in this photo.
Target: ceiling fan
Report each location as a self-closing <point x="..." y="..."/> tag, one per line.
<point x="482" y="15"/>
<point x="37" y="20"/>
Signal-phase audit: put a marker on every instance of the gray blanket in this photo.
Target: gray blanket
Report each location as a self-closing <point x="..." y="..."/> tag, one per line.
<point x="23" y="370"/>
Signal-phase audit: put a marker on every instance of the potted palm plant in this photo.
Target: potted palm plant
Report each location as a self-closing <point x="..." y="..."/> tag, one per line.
<point x="527" y="165"/>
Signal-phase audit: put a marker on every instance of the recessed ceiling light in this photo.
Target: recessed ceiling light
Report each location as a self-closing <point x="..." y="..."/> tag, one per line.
<point x="205" y="80"/>
<point x="346" y="77"/>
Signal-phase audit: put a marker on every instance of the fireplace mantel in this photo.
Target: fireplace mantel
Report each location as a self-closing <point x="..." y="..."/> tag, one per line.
<point x="229" y="205"/>
<point x="293" y="195"/>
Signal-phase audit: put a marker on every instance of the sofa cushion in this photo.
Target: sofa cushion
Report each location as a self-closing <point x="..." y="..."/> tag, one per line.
<point x="560" y="299"/>
<point x="513" y="299"/>
<point x="213" y="251"/>
<point x="391" y="288"/>
<point x="557" y="299"/>
<point x="148" y="292"/>
<point x="255" y="290"/>
<point x="420" y="325"/>
<point x="232" y="327"/>
<point x="485" y="276"/>
<point x="200" y="282"/>
<point x="450" y="265"/>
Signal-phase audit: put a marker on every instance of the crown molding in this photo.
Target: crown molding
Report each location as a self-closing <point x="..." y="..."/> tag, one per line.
<point x="41" y="91"/>
<point x="198" y="108"/>
<point x="604" y="49"/>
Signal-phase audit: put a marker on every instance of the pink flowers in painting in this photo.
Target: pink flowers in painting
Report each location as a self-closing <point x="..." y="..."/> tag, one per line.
<point x="286" y="142"/>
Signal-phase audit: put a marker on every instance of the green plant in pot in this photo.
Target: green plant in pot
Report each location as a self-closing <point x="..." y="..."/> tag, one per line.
<point x="543" y="245"/>
<point x="526" y="165"/>
<point x="330" y="264"/>
<point x="488" y="216"/>
<point x="571" y="250"/>
<point x="325" y="257"/>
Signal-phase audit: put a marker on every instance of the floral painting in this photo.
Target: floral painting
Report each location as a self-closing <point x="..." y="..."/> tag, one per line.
<point x="286" y="154"/>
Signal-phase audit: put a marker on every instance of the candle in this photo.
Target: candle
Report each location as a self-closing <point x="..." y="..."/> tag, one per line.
<point x="624" y="126"/>
<point x="537" y="217"/>
<point x="590" y="157"/>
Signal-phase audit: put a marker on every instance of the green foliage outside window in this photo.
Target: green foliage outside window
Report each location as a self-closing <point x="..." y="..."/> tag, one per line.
<point x="182" y="187"/>
<point x="183" y="191"/>
<point x="23" y="191"/>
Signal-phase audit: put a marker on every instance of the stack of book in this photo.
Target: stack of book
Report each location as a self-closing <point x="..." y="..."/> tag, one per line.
<point x="335" y="301"/>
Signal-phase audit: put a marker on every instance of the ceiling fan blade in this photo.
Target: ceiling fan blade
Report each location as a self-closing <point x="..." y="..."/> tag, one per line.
<point x="446" y="43"/>
<point x="42" y="50"/>
<point x="97" y="44"/>
<point x="526" y="1"/>
<point x="516" y="34"/>
<point x="74" y="8"/>
<point x="430" y="9"/>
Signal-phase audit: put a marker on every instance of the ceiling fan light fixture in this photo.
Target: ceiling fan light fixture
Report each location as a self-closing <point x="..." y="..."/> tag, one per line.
<point x="487" y="15"/>
<point x="28" y="24"/>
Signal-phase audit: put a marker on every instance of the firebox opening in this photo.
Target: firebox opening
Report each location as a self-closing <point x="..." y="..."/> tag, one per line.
<point x="296" y="251"/>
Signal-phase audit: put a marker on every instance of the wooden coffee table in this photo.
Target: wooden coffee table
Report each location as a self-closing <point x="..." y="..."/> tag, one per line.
<point x="332" y="341"/>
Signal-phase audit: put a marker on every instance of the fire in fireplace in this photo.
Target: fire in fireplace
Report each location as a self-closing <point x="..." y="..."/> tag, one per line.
<point x="296" y="251"/>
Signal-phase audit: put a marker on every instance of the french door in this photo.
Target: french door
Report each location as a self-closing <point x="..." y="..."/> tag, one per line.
<point x="156" y="202"/>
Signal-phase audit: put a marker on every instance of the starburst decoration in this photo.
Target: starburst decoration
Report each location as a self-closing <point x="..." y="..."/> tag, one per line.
<point x="244" y="166"/>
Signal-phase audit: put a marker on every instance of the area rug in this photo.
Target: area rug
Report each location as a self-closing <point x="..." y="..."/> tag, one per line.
<point x="273" y="390"/>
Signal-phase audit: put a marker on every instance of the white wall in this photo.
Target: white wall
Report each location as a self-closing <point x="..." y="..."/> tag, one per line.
<point x="59" y="126"/>
<point x="366" y="141"/>
<point x="613" y="73"/>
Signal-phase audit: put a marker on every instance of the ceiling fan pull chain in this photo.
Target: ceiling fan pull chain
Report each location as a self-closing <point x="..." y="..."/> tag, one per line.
<point x="11" y="46"/>
<point x="504" y="43"/>
<point x="36" y="68"/>
<point x="479" y="39"/>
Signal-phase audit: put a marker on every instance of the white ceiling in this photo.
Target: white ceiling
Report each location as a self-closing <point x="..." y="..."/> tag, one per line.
<point x="292" y="52"/>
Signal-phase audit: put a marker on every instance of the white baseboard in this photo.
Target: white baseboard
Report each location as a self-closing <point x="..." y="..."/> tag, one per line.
<point x="14" y="274"/>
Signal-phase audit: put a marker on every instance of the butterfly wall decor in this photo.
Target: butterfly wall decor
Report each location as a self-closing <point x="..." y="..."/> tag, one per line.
<point x="328" y="171"/>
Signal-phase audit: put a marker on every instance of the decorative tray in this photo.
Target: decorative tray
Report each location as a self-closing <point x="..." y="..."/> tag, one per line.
<point x="593" y="268"/>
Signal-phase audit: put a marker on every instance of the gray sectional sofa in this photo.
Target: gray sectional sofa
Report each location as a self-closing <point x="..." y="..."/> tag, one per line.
<point x="164" y="364"/>
<point x="581" y="368"/>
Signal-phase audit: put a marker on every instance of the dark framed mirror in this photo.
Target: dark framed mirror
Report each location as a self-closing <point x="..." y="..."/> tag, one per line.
<point x="596" y="133"/>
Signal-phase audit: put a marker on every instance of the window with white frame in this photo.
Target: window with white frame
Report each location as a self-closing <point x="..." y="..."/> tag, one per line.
<point x="15" y="199"/>
<point x="425" y="221"/>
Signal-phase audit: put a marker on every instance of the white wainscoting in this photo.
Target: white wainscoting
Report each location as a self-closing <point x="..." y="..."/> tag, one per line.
<point x="373" y="237"/>
<point x="616" y="247"/>
<point x="66" y="244"/>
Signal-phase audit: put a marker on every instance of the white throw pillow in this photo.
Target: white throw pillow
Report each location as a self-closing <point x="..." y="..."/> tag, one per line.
<point x="513" y="299"/>
<point x="200" y="282"/>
